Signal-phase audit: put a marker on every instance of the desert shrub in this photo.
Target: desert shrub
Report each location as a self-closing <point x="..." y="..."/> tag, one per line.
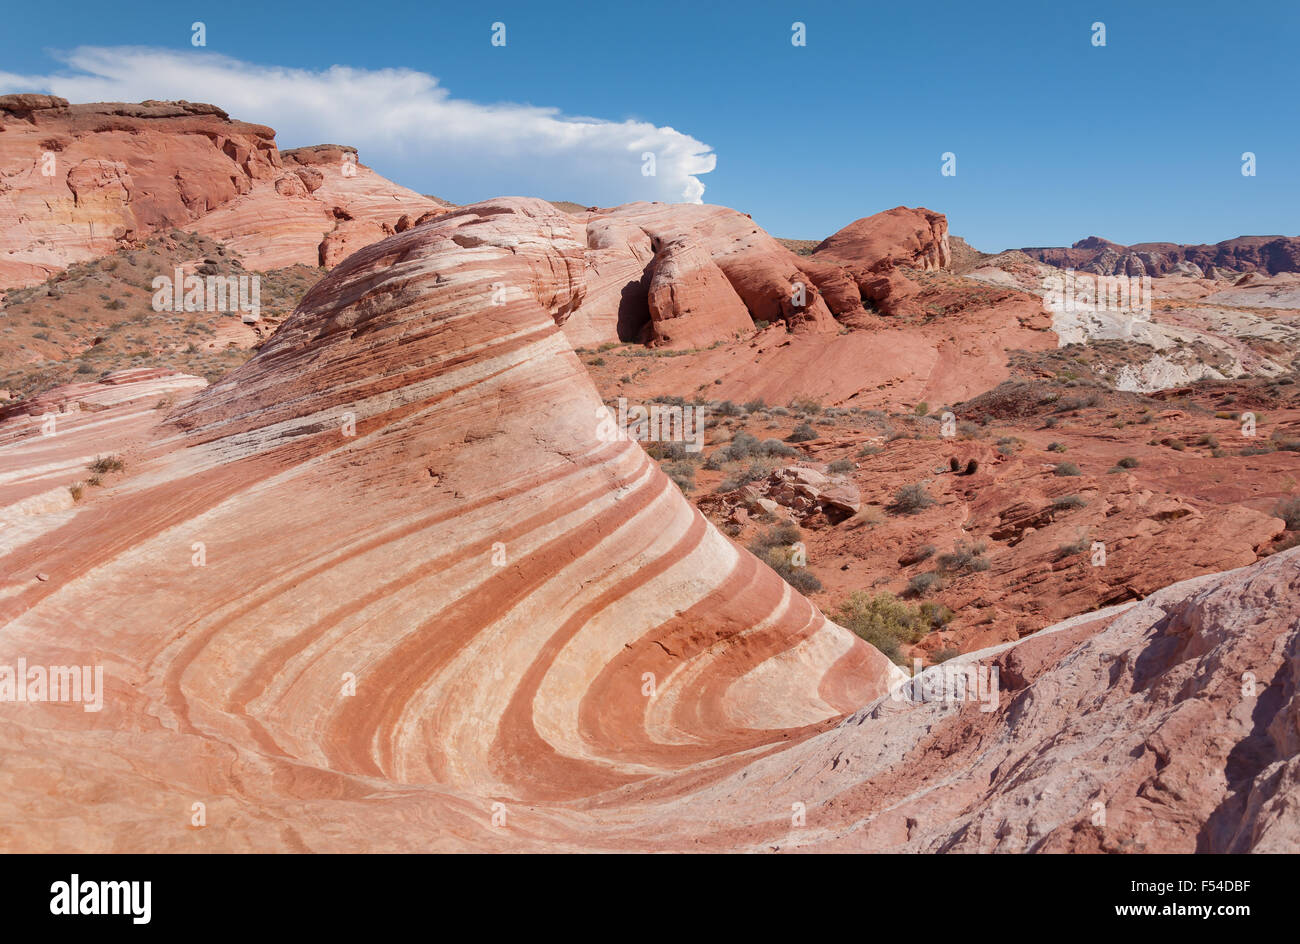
<point x="804" y="432"/>
<point x="596" y="362"/>
<point x="840" y="465"/>
<point x="753" y="406"/>
<point x="1077" y="546"/>
<point x="1209" y="440"/>
<point x="806" y="405"/>
<point x="925" y="552"/>
<point x="921" y="408"/>
<point x="1286" y="541"/>
<point x="910" y="499"/>
<point x="76" y="490"/>
<point x="778" y="535"/>
<point x="754" y="472"/>
<point x="775" y="547"/>
<point x="1128" y="462"/>
<point x="883" y="620"/>
<point x="776" y="448"/>
<point x="800" y="578"/>
<point x="922" y="584"/>
<point x="742" y="446"/>
<point x="1066" y="502"/>
<point x="869" y="450"/>
<point x="667" y="450"/>
<point x="1288" y="509"/>
<point x="1066" y="404"/>
<point x="682" y="474"/>
<point x="1055" y="447"/>
<point x="1067" y="468"/>
<point x="935" y="614"/>
<point x="963" y="558"/>
<point x="944" y="654"/>
<point x="104" y="464"/>
<point x="727" y="408"/>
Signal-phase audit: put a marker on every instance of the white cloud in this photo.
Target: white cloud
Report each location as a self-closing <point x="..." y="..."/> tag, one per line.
<point x="403" y="123"/>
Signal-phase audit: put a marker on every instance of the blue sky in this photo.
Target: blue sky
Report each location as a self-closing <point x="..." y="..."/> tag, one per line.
<point x="1055" y="139"/>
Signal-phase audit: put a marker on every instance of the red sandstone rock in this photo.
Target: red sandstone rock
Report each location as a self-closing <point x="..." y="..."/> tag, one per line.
<point x="769" y="279"/>
<point x="690" y="301"/>
<point x="123" y="172"/>
<point x="917" y="238"/>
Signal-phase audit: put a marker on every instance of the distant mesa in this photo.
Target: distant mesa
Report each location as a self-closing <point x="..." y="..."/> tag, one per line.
<point x="1266" y="254"/>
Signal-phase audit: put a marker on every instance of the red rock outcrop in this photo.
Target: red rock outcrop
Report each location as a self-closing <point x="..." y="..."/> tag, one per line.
<point x="690" y="301"/>
<point x="870" y="251"/>
<point x="79" y="181"/>
<point x="773" y="284"/>
<point x="917" y="238"/>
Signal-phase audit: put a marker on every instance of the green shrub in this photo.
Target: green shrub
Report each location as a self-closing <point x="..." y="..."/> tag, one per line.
<point x="935" y="614"/>
<point x="883" y="620"/>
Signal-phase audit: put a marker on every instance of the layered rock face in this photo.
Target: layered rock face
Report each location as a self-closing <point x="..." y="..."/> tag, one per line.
<point x="1268" y="254"/>
<point x="392" y="585"/>
<point x="411" y="490"/>
<point x="79" y="181"/>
